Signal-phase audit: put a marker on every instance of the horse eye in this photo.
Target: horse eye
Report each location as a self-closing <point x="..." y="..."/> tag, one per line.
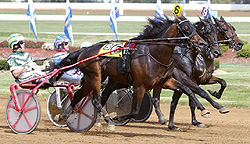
<point x="186" y="28"/>
<point x="225" y="29"/>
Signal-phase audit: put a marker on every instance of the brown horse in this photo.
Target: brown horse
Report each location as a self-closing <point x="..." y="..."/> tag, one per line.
<point x="151" y="65"/>
<point x="203" y="68"/>
<point x="228" y="36"/>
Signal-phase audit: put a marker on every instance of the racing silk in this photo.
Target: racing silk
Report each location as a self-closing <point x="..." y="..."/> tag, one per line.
<point x="58" y="57"/>
<point x="20" y="60"/>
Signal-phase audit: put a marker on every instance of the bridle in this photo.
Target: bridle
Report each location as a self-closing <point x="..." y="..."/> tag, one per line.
<point x="230" y="39"/>
<point x="190" y="33"/>
<point x="205" y="33"/>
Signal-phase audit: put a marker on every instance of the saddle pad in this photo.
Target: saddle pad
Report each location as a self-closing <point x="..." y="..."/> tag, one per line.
<point x="112" y="46"/>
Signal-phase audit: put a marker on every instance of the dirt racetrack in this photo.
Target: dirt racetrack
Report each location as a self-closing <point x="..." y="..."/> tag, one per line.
<point x="230" y="128"/>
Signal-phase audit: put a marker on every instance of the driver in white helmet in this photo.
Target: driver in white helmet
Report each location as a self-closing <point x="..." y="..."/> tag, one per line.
<point x="72" y="75"/>
<point x="21" y="63"/>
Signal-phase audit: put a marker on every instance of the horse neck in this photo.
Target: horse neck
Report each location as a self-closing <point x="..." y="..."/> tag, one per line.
<point x="208" y="60"/>
<point x="163" y="53"/>
<point x="184" y="59"/>
<point x="219" y="33"/>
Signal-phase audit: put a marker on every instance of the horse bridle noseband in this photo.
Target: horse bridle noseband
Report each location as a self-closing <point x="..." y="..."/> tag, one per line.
<point x="230" y="39"/>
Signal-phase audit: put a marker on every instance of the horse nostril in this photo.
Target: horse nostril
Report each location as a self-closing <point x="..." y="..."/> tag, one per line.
<point x="241" y="43"/>
<point x="217" y="54"/>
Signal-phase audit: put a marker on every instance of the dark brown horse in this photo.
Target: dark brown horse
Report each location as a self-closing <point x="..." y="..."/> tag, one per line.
<point x="203" y="70"/>
<point x="151" y="65"/>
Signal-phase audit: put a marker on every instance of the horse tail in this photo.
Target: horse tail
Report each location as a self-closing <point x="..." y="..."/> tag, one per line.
<point x="69" y="60"/>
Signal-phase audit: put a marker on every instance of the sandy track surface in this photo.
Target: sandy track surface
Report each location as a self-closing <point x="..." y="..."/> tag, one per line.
<point x="230" y="128"/>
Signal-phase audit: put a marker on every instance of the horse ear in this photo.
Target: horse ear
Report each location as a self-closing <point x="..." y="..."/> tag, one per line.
<point x="221" y="17"/>
<point x="177" y="18"/>
<point x="209" y="18"/>
<point x="199" y="18"/>
<point x="216" y="20"/>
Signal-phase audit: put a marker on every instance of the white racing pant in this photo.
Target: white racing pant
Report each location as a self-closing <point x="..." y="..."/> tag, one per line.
<point x="31" y="74"/>
<point x="72" y="77"/>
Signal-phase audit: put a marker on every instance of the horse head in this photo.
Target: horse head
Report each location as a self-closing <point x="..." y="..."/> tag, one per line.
<point x="207" y="31"/>
<point x="227" y="32"/>
<point x="188" y="30"/>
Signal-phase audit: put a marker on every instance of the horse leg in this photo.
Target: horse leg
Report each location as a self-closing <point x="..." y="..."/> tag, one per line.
<point x="156" y="102"/>
<point x="138" y="95"/>
<point x="196" y="89"/>
<point x="83" y="91"/>
<point x="173" y="84"/>
<point x="111" y="86"/>
<point x="96" y="101"/>
<point x="223" y="84"/>
<point x="194" y="120"/>
<point x="175" y="98"/>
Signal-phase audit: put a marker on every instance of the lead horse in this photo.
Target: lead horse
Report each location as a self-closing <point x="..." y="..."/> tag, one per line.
<point x="151" y="65"/>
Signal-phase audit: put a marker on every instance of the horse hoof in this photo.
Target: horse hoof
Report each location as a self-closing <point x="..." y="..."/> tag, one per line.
<point x="177" y="129"/>
<point x="205" y="114"/>
<point x="214" y="93"/>
<point x="201" y="125"/>
<point x="57" y="118"/>
<point x="111" y="127"/>
<point x="163" y="121"/>
<point x="98" y="124"/>
<point x="223" y="110"/>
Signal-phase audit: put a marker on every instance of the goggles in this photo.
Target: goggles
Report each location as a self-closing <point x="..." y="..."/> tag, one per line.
<point x="21" y="42"/>
<point x="65" y="43"/>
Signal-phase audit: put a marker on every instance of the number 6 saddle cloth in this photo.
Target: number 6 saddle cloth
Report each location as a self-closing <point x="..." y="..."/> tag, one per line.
<point x="114" y="45"/>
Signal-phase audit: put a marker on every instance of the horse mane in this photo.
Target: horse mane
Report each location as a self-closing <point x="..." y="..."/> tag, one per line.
<point x="154" y="28"/>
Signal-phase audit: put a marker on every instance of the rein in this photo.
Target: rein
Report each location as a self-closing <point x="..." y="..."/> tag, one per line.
<point x="155" y="41"/>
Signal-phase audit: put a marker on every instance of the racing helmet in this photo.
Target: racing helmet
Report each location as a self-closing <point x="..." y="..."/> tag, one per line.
<point x="85" y="44"/>
<point x="59" y="40"/>
<point x="14" y="39"/>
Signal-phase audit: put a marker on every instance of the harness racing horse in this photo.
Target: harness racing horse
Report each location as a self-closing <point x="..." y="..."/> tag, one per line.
<point x="202" y="71"/>
<point x="189" y="66"/>
<point x="151" y="65"/>
<point x="226" y="35"/>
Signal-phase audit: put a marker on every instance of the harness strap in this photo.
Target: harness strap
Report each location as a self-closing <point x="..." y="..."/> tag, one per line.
<point x="160" y="62"/>
<point x="193" y="34"/>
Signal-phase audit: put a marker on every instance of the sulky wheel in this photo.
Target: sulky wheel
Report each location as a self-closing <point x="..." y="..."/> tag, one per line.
<point x="119" y="104"/>
<point x="26" y="121"/>
<point x="55" y="106"/>
<point x="83" y="116"/>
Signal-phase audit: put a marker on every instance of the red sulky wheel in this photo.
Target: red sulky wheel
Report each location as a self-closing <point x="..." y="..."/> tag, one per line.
<point x="26" y="121"/>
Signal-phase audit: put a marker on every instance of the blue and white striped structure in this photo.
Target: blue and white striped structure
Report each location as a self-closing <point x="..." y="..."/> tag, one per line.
<point x="32" y="14"/>
<point x="114" y="14"/>
<point x="159" y="11"/>
<point x="68" y="25"/>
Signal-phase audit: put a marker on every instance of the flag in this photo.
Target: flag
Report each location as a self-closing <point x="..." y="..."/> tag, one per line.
<point x="32" y="14"/>
<point x="159" y="11"/>
<point x="114" y="14"/>
<point x="209" y="9"/>
<point x="68" y="25"/>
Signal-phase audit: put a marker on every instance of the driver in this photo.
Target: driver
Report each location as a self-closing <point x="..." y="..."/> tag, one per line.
<point x="72" y="75"/>
<point x="21" y="63"/>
